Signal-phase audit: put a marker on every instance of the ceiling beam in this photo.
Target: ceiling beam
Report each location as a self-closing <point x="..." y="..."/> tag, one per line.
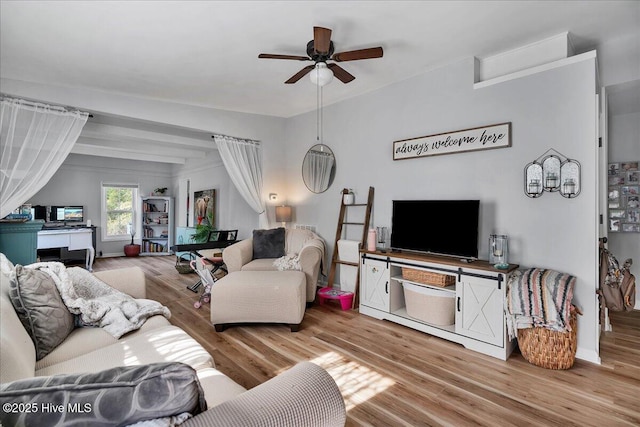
<point x="118" y="133"/>
<point x="118" y="153"/>
<point x="142" y="147"/>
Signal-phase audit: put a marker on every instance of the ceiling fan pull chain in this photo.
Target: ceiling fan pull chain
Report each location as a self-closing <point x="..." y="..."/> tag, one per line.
<point x="321" y="114"/>
<point x="317" y="113"/>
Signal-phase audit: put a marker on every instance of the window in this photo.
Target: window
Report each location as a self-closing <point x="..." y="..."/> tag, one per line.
<point x="118" y="210"/>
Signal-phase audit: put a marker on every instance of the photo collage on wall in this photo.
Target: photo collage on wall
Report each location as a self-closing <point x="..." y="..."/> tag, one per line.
<point x="624" y="197"/>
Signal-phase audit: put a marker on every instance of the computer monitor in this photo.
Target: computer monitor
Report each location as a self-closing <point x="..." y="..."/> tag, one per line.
<point x="67" y="213"/>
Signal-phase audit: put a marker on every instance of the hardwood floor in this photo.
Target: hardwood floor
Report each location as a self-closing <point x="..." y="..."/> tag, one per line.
<point x="391" y="375"/>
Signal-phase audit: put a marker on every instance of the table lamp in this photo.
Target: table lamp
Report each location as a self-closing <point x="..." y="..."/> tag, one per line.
<point x="283" y="214"/>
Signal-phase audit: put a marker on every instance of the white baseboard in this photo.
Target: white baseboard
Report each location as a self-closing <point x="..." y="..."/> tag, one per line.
<point x="112" y="255"/>
<point x="588" y="356"/>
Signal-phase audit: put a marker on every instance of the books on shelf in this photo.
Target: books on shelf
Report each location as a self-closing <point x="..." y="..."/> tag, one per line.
<point x="154" y="207"/>
<point x="147" y="232"/>
<point x="153" y="247"/>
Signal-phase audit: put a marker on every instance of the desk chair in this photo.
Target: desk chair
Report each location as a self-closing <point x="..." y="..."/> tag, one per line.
<point x="211" y="254"/>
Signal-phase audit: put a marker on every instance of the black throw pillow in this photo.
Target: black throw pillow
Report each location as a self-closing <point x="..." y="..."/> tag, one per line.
<point x="268" y="243"/>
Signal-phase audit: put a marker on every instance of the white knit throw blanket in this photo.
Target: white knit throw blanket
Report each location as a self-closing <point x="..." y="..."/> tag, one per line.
<point x="97" y="303"/>
<point x="288" y="262"/>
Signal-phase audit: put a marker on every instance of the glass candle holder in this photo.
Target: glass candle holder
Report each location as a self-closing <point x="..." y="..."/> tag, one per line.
<point x="534" y="186"/>
<point x="569" y="187"/>
<point x="382" y="233"/>
<point x="498" y="250"/>
<point x="551" y="181"/>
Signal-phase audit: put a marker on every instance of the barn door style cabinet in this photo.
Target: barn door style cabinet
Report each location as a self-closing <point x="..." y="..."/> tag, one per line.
<point x="479" y="296"/>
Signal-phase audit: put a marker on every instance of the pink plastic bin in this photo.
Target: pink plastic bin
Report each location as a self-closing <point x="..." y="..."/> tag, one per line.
<point x="345" y="298"/>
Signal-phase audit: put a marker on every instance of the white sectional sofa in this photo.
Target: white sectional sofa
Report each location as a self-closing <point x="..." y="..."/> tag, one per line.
<point x="304" y="395"/>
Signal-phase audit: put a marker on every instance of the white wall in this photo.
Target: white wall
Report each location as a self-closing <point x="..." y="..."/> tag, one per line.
<point x="554" y="109"/>
<point x="231" y="211"/>
<point x="624" y="146"/>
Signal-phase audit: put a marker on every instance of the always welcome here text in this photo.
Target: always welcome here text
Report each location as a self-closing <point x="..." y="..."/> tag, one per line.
<point x="494" y="136"/>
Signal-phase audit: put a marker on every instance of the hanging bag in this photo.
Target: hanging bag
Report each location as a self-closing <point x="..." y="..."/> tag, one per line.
<point x="617" y="285"/>
<point x="628" y="287"/>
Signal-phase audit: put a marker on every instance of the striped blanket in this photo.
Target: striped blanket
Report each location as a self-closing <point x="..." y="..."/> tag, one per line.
<point x="539" y="297"/>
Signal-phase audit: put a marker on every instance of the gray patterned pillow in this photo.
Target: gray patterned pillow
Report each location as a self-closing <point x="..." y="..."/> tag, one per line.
<point x="40" y="308"/>
<point x="113" y="397"/>
<point x="268" y="243"/>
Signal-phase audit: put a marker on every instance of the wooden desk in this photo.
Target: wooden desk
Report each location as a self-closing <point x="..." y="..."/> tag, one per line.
<point x="74" y="239"/>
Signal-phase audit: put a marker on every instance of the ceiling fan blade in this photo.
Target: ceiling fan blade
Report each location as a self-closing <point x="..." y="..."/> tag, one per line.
<point x="340" y="73"/>
<point x="300" y="74"/>
<point x="275" y="56"/>
<point x="354" y="55"/>
<point x="321" y="39"/>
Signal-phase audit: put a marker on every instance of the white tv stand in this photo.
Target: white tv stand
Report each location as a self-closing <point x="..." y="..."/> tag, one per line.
<point x="480" y="292"/>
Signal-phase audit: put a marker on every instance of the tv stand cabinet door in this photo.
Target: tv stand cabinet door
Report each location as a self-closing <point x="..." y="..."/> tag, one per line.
<point x="375" y="284"/>
<point x="480" y="310"/>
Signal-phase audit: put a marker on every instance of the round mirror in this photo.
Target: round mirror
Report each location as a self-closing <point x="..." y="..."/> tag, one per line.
<point x="318" y="168"/>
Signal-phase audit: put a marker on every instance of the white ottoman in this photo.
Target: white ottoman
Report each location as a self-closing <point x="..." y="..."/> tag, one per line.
<point x="259" y="297"/>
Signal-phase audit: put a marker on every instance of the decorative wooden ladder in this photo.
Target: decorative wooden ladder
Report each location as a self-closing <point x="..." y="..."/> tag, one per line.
<point x="335" y="259"/>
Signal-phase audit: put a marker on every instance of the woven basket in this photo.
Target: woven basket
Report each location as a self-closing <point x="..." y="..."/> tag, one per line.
<point x="427" y="277"/>
<point x="550" y="349"/>
<point x="184" y="268"/>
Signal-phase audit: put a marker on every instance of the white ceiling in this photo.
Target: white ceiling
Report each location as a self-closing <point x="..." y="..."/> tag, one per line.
<point x="206" y="52"/>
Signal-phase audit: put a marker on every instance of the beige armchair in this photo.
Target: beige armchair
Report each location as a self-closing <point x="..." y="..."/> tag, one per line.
<point x="307" y="244"/>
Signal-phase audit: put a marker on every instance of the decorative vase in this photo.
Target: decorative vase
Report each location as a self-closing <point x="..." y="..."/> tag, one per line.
<point x="132" y="250"/>
<point x="371" y="240"/>
<point x="349" y="198"/>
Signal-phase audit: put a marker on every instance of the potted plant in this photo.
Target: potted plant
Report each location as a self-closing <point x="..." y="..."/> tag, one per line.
<point x="131" y="249"/>
<point x="202" y="232"/>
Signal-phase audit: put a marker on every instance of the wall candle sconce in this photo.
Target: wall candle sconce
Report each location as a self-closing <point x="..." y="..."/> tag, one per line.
<point x="552" y="172"/>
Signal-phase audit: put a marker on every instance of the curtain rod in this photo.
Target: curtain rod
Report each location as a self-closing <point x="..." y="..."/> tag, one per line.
<point x="252" y="141"/>
<point x="37" y="103"/>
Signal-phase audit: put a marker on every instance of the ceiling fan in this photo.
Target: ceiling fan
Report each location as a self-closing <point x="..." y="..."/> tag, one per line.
<point x="320" y="50"/>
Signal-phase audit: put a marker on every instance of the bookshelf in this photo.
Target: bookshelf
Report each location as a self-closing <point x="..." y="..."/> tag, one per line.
<point x="157" y="225"/>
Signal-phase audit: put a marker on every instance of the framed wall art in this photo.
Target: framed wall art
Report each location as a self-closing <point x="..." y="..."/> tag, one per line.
<point x="480" y="138"/>
<point x="624" y="197"/>
<point x="204" y="203"/>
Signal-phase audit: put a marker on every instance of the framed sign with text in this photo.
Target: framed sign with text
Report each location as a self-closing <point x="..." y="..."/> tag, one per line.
<point x="480" y="138"/>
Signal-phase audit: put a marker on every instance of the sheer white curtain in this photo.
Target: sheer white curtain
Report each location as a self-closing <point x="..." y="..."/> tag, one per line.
<point x="35" y="140"/>
<point x="317" y="169"/>
<point x="243" y="161"/>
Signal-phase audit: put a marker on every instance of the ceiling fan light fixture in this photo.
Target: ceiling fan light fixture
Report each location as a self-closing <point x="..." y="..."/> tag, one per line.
<point x="321" y="75"/>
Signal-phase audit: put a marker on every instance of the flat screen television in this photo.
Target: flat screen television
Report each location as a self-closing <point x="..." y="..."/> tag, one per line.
<point x="444" y="227"/>
<point x="67" y="213"/>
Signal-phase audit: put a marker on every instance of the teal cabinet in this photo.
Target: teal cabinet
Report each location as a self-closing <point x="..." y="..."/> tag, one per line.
<point x="19" y="240"/>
